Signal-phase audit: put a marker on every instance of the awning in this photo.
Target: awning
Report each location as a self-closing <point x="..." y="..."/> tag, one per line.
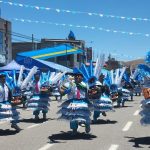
<point x="55" y="66"/>
<point x="46" y="53"/>
<point x="30" y="62"/>
<point x="13" y="65"/>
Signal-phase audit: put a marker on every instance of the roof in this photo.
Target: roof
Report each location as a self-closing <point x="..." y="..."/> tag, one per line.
<point x="30" y="62"/>
<point x="46" y="53"/>
<point x="13" y="65"/>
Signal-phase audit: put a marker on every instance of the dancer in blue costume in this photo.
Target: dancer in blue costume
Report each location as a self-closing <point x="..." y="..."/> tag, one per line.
<point x="144" y="70"/>
<point x="118" y="93"/>
<point x="39" y="100"/>
<point x="7" y="111"/>
<point x="97" y="93"/>
<point x="101" y="101"/>
<point x="77" y="107"/>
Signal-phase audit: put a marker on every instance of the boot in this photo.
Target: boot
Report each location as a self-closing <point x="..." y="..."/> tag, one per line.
<point x="74" y="132"/>
<point x="15" y="126"/>
<point x="87" y="128"/>
<point x="36" y="117"/>
<point x="44" y="116"/>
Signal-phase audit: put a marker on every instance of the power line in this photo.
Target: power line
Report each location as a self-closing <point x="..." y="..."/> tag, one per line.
<point x="19" y="35"/>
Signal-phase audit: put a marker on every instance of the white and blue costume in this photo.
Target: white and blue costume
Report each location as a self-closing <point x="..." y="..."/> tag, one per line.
<point x="144" y="70"/>
<point x="116" y="87"/>
<point x="100" y="101"/>
<point x="39" y="100"/>
<point x="77" y="107"/>
<point x="7" y="111"/>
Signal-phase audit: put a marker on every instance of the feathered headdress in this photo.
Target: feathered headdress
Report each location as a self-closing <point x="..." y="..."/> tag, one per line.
<point x="116" y="76"/>
<point x="91" y="73"/>
<point x="144" y="70"/>
<point x="55" y="77"/>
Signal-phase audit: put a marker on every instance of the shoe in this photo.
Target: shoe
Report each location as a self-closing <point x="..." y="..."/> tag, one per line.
<point x="122" y="104"/>
<point x="36" y="117"/>
<point x="104" y="114"/>
<point x="44" y="116"/>
<point x="15" y="126"/>
<point x="74" y="132"/>
<point x="87" y="129"/>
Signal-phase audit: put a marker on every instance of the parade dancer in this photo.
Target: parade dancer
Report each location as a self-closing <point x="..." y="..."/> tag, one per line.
<point x="118" y="93"/>
<point x="39" y="101"/>
<point x="96" y="91"/>
<point x="144" y="70"/>
<point x="77" y="108"/>
<point x="41" y="91"/>
<point x="7" y="111"/>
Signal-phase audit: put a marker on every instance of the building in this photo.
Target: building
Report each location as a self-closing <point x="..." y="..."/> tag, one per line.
<point x="5" y="42"/>
<point x="68" y="60"/>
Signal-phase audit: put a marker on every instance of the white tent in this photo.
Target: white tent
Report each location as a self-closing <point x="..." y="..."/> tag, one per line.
<point x="13" y="65"/>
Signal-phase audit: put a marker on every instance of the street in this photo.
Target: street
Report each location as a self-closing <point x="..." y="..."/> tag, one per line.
<point x="119" y="130"/>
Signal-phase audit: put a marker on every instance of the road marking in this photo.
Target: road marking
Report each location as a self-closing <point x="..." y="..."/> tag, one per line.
<point x="35" y="125"/>
<point x="113" y="147"/>
<point x="136" y="113"/>
<point x="127" y="126"/>
<point x="45" y="147"/>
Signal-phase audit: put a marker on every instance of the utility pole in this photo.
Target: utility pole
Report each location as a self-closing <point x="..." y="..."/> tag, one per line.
<point x="33" y="42"/>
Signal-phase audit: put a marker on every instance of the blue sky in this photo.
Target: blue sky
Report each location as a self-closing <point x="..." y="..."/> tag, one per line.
<point x="122" y="46"/>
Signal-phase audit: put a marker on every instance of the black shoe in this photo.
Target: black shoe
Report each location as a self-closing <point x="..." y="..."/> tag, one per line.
<point x="44" y="116"/>
<point x="87" y="129"/>
<point x="15" y="126"/>
<point x="74" y="132"/>
<point x="36" y="117"/>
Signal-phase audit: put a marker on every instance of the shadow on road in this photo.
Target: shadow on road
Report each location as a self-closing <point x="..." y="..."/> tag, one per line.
<point x="7" y="132"/>
<point x="56" y="138"/>
<point x="101" y="121"/>
<point x="32" y="120"/>
<point x="122" y="106"/>
<point x="140" y="141"/>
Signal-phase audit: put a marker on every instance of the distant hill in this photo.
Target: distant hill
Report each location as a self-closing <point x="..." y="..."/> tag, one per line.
<point x="133" y="63"/>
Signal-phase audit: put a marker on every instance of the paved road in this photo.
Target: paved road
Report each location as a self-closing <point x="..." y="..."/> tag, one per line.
<point x="119" y="130"/>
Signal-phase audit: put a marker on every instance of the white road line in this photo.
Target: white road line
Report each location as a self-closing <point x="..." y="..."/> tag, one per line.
<point x="136" y="113"/>
<point x="45" y="147"/>
<point x="35" y="125"/>
<point x="127" y="126"/>
<point x="113" y="147"/>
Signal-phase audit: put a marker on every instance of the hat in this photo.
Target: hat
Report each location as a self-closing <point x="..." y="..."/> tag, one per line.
<point x="76" y="72"/>
<point x="2" y="75"/>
